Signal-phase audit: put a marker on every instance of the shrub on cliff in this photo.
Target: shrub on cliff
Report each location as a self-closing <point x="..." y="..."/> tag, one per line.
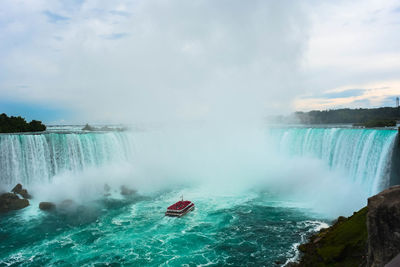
<point x="343" y="244"/>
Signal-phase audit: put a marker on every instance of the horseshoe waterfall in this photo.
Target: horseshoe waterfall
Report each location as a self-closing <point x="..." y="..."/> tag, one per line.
<point x="258" y="194"/>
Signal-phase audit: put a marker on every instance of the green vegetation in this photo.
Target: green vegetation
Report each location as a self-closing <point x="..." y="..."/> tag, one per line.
<point x="18" y="124"/>
<point x="342" y="244"/>
<point x="378" y="123"/>
<point x="359" y="116"/>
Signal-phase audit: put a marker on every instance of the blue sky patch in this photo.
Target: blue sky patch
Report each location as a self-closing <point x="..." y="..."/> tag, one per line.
<point x="343" y="94"/>
<point x="34" y="111"/>
<point x="120" y="13"/>
<point x="389" y="101"/>
<point x="54" y="17"/>
<point x="115" y="36"/>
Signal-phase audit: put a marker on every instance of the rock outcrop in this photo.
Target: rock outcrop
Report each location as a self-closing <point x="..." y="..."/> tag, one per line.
<point x="18" y="189"/>
<point x="10" y="201"/>
<point x="47" y="206"/>
<point x="125" y="191"/>
<point x="383" y="223"/>
<point x="67" y="206"/>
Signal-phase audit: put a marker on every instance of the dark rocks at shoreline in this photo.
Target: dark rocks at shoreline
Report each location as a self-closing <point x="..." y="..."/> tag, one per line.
<point x="47" y="206"/>
<point x="383" y="222"/>
<point x="10" y="201"/>
<point x="18" y="189"/>
<point x="125" y="191"/>
<point x="67" y="205"/>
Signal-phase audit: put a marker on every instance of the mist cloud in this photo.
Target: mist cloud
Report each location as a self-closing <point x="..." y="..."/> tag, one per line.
<point x="159" y="60"/>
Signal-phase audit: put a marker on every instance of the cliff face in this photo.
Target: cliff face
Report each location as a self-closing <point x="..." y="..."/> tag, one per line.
<point x="383" y="224"/>
<point x="395" y="162"/>
<point x="370" y="237"/>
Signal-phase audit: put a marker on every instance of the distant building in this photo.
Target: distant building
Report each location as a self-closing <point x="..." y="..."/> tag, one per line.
<point x="397" y="102"/>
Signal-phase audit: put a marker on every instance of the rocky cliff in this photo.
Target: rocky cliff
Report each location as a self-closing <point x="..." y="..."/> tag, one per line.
<point x="370" y="237"/>
<point x="383" y="223"/>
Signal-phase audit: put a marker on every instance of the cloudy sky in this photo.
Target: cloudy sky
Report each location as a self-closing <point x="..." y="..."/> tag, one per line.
<point x="65" y="61"/>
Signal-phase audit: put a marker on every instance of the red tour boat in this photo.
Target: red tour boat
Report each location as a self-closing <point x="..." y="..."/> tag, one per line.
<point x="180" y="208"/>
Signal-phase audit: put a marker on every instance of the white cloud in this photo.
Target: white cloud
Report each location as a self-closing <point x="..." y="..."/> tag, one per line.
<point x="376" y="94"/>
<point x="169" y="60"/>
<point x="353" y="42"/>
<point x="165" y="60"/>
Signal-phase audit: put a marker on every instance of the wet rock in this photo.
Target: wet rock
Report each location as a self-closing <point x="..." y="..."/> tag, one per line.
<point x="107" y="188"/>
<point x="383" y="223"/>
<point x="24" y="193"/>
<point x="10" y="201"/>
<point x="18" y="189"/>
<point x="47" y="206"/>
<point x="125" y="191"/>
<point x="67" y="206"/>
<point x="67" y="203"/>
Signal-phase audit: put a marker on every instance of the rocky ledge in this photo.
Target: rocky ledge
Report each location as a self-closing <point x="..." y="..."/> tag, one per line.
<point x="370" y="237"/>
<point x="18" y="189"/>
<point x="12" y="201"/>
<point x="47" y="206"/>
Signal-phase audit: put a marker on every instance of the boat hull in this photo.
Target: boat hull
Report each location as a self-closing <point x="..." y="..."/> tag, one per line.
<point x="171" y="213"/>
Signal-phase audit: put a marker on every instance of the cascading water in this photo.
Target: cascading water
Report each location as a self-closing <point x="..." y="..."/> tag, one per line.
<point x="26" y="158"/>
<point x="364" y="154"/>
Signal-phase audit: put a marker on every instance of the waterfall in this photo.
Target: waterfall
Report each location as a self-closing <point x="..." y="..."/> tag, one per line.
<point x="26" y="158"/>
<point x="364" y="154"/>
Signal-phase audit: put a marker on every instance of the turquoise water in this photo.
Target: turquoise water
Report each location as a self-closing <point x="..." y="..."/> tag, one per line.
<point x="258" y="194"/>
<point x="133" y="231"/>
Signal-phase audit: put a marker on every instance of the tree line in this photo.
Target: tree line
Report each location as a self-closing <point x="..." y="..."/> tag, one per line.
<point x="18" y="124"/>
<point x="385" y="116"/>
